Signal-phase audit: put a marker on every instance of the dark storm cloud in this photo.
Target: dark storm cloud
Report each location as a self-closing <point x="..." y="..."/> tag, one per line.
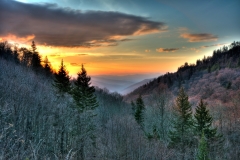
<point x="199" y="37"/>
<point x="71" y="28"/>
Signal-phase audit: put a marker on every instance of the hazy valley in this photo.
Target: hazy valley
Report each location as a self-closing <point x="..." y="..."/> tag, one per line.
<point x="121" y="84"/>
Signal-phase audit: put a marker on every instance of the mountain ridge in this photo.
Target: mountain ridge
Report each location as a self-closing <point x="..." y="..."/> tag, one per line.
<point x="225" y="57"/>
<point x="120" y="83"/>
<point x="134" y="86"/>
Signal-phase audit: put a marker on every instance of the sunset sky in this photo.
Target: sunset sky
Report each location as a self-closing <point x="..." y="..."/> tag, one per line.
<point x="121" y="37"/>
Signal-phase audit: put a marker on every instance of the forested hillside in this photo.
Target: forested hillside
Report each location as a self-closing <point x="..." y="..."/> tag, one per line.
<point x="224" y="61"/>
<point x="46" y="115"/>
<point x="214" y="79"/>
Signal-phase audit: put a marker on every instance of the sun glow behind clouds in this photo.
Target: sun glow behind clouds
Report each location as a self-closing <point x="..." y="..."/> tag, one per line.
<point x="11" y="38"/>
<point x="107" y="63"/>
<point x="114" y="61"/>
<point x="115" y="42"/>
<point x="103" y="61"/>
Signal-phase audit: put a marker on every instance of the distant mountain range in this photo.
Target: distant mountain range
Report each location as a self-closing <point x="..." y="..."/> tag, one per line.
<point x="122" y="84"/>
<point x="134" y="86"/>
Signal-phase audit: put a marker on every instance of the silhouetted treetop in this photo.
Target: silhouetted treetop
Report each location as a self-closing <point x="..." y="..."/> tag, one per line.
<point x="62" y="80"/>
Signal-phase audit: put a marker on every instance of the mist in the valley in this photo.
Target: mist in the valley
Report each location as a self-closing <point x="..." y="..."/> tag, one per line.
<point x="124" y="83"/>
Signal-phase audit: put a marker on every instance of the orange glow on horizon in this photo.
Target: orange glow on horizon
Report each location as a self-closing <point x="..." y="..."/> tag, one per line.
<point x="99" y="61"/>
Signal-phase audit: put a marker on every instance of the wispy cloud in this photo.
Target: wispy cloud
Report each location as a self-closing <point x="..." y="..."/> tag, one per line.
<point x="214" y="45"/>
<point x="197" y="49"/>
<point x="66" y="27"/>
<point x="54" y="55"/>
<point x="76" y="64"/>
<point x="167" y="49"/>
<point x="206" y="46"/>
<point x="200" y="37"/>
<point x="147" y="50"/>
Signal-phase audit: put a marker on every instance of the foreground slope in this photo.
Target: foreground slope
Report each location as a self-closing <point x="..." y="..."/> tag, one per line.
<point x="37" y="123"/>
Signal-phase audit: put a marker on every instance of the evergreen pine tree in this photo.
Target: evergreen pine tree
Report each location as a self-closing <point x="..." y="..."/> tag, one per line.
<point x="202" y="149"/>
<point x="182" y="132"/>
<point x="63" y="85"/>
<point x="47" y="66"/>
<point x="36" y="59"/>
<point x="139" y="107"/>
<point x="203" y="123"/>
<point x="62" y="80"/>
<point x="83" y="93"/>
<point x="86" y="102"/>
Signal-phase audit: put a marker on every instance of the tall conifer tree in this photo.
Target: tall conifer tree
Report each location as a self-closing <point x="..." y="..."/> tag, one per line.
<point x="36" y="59"/>
<point x="83" y="93"/>
<point x="182" y="132"/>
<point x="203" y="123"/>
<point x="47" y="66"/>
<point x="139" y="108"/>
<point x="86" y="102"/>
<point x="62" y="80"/>
<point x="63" y="85"/>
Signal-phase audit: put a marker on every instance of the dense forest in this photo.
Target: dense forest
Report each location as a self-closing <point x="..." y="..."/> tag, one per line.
<point x="190" y="114"/>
